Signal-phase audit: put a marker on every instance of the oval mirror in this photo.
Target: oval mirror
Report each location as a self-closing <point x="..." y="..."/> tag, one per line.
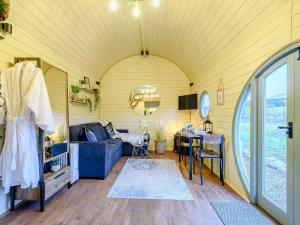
<point x="204" y="105"/>
<point x="144" y="100"/>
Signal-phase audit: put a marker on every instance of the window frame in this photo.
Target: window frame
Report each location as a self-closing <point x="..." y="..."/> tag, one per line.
<point x="200" y="105"/>
<point x="246" y="91"/>
<point x="252" y="85"/>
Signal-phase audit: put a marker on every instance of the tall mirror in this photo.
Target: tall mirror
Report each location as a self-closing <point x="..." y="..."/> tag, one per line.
<point x="144" y="100"/>
<point x="57" y="84"/>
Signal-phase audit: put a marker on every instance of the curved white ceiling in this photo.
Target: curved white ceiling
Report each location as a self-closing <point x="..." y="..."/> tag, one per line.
<point x="187" y="32"/>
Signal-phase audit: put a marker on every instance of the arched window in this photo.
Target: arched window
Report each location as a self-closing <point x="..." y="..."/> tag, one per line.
<point x="243" y="137"/>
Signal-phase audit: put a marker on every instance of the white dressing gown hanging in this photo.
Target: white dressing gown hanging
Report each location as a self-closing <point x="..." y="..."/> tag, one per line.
<point x="27" y="105"/>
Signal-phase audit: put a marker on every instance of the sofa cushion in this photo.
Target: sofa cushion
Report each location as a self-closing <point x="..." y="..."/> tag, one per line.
<point x="82" y="135"/>
<point x="96" y="130"/>
<point x="91" y="137"/>
<point x="103" y="132"/>
<point x="110" y="129"/>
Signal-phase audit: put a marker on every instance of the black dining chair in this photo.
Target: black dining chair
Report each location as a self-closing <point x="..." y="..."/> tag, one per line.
<point x="183" y="148"/>
<point x="205" y="152"/>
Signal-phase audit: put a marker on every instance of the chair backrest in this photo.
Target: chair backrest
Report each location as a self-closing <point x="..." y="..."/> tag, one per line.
<point x="212" y="139"/>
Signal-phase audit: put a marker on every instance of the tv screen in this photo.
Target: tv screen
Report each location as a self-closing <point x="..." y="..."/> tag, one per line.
<point x="187" y="102"/>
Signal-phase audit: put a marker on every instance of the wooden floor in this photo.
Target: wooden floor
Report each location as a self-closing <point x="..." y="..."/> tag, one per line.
<point x="86" y="203"/>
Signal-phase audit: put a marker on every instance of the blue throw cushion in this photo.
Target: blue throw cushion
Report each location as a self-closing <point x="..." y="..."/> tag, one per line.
<point x="103" y="132"/>
<point x="95" y="129"/>
<point x="91" y="137"/>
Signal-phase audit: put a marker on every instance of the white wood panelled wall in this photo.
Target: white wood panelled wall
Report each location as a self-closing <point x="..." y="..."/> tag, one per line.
<point x="121" y="79"/>
<point x="207" y="39"/>
<point x="246" y="48"/>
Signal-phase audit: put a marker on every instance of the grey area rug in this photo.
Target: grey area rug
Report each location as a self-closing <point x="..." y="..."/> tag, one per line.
<point x="162" y="181"/>
<point x="238" y="213"/>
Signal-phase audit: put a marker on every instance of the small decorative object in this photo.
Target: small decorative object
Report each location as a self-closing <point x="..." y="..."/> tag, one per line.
<point x="75" y="90"/>
<point x="144" y="126"/>
<point x="208" y="126"/>
<point x="90" y="104"/>
<point x="87" y="82"/>
<point x="83" y="84"/>
<point x="160" y="142"/>
<point x="220" y="93"/>
<point x="55" y="165"/>
<point x="188" y="127"/>
<point x="62" y="134"/>
<point x="4" y="9"/>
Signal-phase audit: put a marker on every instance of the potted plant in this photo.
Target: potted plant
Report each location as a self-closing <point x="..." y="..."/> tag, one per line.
<point x="90" y="104"/>
<point x="4" y="9"/>
<point x="160" y="142"/>
<point x="97" y="98"/>
<point x="55" y="165"/>
<point x="75" y="90"/>
<point x="62" y="134"/>
<point x="144" y="126"/>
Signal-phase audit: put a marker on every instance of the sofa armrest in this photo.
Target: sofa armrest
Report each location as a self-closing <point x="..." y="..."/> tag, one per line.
<point x="93" y="158"/>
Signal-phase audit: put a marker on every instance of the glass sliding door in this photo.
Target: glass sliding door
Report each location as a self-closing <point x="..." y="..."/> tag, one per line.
<point x="275" y="139"/>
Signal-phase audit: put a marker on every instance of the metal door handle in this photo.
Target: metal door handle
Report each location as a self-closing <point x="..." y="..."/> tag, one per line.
<point x="289" y="129"/>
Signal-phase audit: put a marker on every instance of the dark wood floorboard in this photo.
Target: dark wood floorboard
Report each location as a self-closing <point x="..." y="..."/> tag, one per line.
<point x="86" y="203"/>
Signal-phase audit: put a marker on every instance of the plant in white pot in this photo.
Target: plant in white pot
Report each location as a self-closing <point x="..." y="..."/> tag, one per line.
<point x="55" y="165"/>
<point x="160" y="142"/>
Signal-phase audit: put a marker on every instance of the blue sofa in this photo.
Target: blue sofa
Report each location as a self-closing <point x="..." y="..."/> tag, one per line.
<point x="96" y="159"/>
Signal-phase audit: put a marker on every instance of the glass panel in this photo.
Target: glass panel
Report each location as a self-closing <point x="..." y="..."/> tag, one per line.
<point x="274" y="139"/>
<point x="204" y="105"/>
<point x="144" y="100"/>
<point x="244" y="137"/>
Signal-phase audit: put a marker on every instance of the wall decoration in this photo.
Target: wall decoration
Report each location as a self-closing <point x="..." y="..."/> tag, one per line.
<point x="220" y="93"/>
<point x="83" y="84"/>
<point x="87" y="82"/>
<point x="144" y="100"/>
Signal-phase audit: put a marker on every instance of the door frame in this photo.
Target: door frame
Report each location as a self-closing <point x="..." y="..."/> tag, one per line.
<point x="278" y="213"/>
<point x="252" y="83"/>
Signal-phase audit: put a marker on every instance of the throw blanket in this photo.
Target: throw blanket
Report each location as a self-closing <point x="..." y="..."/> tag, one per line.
<point x="131" y="138"/>
<point x="126" y="137"/>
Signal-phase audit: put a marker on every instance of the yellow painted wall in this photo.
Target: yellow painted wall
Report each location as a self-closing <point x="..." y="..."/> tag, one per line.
<point x="235" y="64"/>
<point x="121" y="79"/>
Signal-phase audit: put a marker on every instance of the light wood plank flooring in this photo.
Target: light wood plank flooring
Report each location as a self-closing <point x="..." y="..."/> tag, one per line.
<point x="86" y="203"/>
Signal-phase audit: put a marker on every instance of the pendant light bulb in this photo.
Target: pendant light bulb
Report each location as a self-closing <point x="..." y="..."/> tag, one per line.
<point x="113" y="5"/>
<point x="136" y="10"/>
<point x="156" y="3"/>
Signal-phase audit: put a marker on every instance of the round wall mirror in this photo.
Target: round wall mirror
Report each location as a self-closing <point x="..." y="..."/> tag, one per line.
<point x="144" y="100"/>
<point x="204" y="105"/>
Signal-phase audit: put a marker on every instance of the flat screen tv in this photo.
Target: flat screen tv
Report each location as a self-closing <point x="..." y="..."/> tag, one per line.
<point x="187" y="102"/>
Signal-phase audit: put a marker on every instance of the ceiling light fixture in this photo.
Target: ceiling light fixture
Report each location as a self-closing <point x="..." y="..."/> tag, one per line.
<point x="136" y="10"/>
<point x="156" y="3"/>
<point x="134" y="4"/>
<point x="113" y="5"/>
